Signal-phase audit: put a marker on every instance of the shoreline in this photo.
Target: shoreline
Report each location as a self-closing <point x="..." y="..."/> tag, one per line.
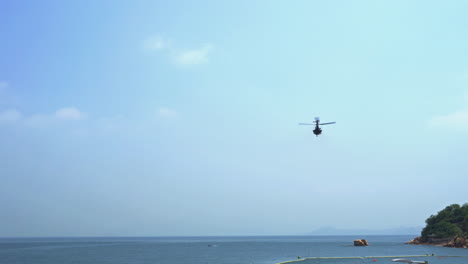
<point x="454" y="242"/>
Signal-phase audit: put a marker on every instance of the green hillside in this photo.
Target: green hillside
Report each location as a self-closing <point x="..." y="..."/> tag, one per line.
<point x="451" y="221"/>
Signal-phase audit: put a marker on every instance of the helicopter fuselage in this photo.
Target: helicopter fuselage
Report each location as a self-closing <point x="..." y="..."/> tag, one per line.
<point x="317" y="131"/>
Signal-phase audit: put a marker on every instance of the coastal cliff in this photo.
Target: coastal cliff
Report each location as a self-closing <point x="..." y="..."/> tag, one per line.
<point x="449" y="228"/>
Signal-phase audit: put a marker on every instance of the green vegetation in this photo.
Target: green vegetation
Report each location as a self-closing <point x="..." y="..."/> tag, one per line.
<point x="450" y="222"/>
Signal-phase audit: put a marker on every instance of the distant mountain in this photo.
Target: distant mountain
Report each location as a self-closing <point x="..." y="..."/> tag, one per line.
<point x="331" y="231"/>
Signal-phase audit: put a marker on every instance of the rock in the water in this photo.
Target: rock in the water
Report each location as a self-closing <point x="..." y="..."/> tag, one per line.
<point x="360" y="243"/>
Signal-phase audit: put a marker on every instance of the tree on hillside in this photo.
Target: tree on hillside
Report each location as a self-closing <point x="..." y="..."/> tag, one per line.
<point x="451" y="221"/>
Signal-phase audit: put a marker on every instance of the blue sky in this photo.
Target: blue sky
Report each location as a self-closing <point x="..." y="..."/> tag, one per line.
<point x="180" y="118"/>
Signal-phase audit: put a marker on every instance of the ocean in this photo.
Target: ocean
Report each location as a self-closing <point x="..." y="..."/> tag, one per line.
<point x="217" y="250"/>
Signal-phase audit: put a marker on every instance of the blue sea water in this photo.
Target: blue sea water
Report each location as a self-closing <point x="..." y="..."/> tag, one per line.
<point x="215" y="250"/>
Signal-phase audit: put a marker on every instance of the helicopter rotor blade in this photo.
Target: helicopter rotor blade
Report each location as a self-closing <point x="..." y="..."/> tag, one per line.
<point x="329" y="123"/>
<point x="306" y="124"/>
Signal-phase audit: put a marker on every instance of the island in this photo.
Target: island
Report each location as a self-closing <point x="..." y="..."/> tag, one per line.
<point x="449" y="228"/>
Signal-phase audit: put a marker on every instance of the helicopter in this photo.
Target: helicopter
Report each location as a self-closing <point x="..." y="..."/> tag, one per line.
<point x="317" y="131"/>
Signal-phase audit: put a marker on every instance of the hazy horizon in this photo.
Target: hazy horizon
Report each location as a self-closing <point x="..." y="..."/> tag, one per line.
<point x="181" y="118"/>
<point x="322" y="231"/>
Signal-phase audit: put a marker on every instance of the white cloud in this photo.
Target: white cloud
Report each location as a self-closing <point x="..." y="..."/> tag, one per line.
<point x="193" y="57"/>
<point x="70" y="113"/>
<point x="180" y="57"/>
<point x="10" y="115"/>
<point x="63" y="114"/>
<point x="167" y="112"/>
<point x="155" y="43"/>
<point x="458" y="119"/>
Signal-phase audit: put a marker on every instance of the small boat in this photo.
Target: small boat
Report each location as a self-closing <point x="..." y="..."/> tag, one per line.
<point x="410" y="261"/>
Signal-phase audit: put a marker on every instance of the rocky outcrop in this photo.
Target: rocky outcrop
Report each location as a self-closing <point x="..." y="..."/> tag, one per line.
<point x="431" y="241"/>
<point x="415" y="241"/>
<point x="360" y="243"/>
<point x="457" y="242"/>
